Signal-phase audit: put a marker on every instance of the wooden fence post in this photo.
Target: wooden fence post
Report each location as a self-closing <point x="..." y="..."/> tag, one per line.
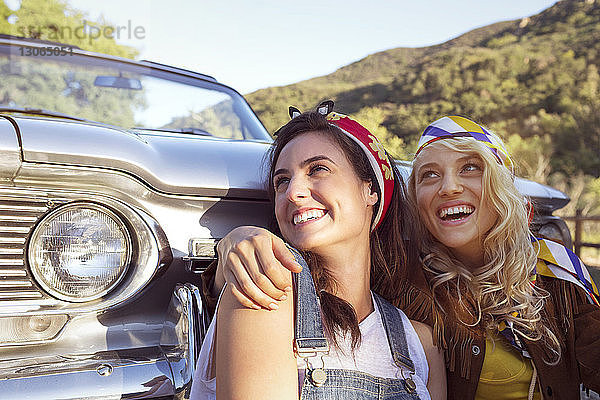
<point x="578" y="228"/>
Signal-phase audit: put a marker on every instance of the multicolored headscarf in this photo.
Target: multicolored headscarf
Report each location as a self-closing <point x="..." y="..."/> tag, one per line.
<point x="372" y="147"/>
<point x="557" y="261"/>
<point x="456" y="126"/>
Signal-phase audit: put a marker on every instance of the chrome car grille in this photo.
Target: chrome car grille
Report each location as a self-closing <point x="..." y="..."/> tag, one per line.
<point x="18" y="216"/>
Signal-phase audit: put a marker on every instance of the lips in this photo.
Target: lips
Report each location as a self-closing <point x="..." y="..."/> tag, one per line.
<point x="455" y="213"/>
<point x="311" y="214"/>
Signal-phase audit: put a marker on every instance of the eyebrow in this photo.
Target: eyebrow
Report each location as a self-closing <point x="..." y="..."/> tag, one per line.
<point x="305" y="163"/>
<point x="461" y="159"/>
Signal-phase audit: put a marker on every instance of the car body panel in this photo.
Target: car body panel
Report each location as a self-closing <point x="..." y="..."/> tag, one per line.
<point x="175" y="164"/>
<point x="545" y="197"/>
<point x="10" y="151"/>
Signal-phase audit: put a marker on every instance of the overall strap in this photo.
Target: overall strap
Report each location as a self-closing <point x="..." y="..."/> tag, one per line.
<point x="309" y="337"/>
<point x="394" y="329"/>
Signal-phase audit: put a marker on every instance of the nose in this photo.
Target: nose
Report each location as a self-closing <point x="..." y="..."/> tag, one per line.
<point x="297" y="190"/>
<point x="450" y="185"/>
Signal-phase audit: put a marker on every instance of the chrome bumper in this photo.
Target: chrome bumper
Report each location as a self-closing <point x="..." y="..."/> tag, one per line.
<point x="164" y="370"/>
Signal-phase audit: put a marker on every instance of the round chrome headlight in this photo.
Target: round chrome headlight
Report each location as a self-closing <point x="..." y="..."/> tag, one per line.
<point x="79" y="252"/>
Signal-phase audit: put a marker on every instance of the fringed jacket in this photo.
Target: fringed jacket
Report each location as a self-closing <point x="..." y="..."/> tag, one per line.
<point x="571" y="312"/>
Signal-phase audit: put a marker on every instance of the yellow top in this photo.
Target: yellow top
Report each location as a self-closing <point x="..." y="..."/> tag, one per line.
<point x="505" y="374"/>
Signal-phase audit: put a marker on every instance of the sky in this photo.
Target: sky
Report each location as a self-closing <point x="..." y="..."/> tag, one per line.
<point x="251" y="45"/>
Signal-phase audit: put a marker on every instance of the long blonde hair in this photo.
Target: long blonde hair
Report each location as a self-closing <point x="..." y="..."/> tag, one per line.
<point x="501" y="290"/>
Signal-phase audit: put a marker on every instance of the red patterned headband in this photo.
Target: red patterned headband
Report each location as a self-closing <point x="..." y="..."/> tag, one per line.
<point x="374" y="150"/>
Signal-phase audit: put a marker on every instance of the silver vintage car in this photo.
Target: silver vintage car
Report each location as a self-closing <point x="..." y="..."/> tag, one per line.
<point x="116" y="178"/>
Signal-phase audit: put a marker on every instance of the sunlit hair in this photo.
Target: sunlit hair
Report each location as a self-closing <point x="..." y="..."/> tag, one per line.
<point x="501" y="289"/>
<point x="389" y="253"/>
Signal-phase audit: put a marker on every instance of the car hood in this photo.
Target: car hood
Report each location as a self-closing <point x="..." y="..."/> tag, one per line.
<point x="171" y="163"/>
<point x="544" y="198"/>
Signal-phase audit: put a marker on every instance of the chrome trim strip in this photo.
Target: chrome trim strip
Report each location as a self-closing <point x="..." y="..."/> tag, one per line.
<point x="24" y="295"/>
<point x="18" y="214"/>
<point x="17" y="218"/>
<point x="134" y="373"/>
<point x="18" y="250"/>
<point x="20" y="207"/>
<point x="15" y="262"/>
<point x="181" y="336"/>
<point x="17" y="240"/>
<point x="13" y="272"/>
<point x="5" y="283"/>
<point x="15" y="229"/>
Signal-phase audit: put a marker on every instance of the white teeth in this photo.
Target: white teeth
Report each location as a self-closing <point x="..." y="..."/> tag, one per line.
<point x="455" y="210"/>
<point x="308" y="215"/>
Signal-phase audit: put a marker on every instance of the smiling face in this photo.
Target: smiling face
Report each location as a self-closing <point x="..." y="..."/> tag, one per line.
<point x="320" y="202"/>
<point x="448" y="190"/>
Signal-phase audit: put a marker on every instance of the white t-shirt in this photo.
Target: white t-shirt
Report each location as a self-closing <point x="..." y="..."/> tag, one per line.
<point x="373" y="356"/>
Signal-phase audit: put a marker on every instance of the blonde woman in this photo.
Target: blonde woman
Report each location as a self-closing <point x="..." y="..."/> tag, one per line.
<point x="518" y="318"/>
<point x="511" y="312"/>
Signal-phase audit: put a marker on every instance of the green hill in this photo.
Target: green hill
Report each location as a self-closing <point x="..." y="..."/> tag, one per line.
<point x="535" y="79"/>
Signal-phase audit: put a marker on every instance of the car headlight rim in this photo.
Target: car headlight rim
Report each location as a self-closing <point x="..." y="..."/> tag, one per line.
<point x="41" y="279"/>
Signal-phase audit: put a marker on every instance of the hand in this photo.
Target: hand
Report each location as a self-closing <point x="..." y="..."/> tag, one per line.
<point x="257" y="265"/>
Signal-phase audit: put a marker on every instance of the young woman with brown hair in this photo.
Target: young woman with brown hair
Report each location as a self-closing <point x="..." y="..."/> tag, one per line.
<point x="339" y="200"/>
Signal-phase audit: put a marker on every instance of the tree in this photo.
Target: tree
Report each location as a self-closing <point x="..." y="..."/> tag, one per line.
<point x="56" y="21"/>
<point x="56" y="84"/>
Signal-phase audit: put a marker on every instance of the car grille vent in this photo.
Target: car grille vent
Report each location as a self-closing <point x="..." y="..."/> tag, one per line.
<point x="18" y="216"/>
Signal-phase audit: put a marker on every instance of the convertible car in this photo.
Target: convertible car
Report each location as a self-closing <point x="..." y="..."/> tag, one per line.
<point x="116" y="179"/>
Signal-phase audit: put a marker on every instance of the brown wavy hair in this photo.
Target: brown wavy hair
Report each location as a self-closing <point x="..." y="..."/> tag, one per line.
<point x="390" y="254"/>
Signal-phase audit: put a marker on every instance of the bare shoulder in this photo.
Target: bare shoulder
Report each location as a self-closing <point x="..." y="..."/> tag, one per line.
<point x="436" y="382"/>
<point x="259" y="327"/>
<point x="425" y="334"/>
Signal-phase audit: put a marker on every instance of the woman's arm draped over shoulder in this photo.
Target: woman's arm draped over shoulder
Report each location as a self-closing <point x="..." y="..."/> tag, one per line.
<point x="436" y="382"/>
<point x="254" y="348"/>
<point x="256" y="263"/>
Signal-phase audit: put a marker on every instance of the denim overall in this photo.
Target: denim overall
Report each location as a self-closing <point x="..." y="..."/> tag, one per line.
<point x="321" y="383"/>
